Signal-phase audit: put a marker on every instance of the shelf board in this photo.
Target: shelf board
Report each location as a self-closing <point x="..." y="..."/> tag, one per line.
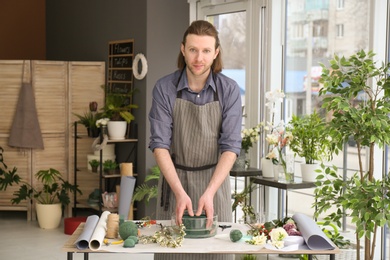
<point x="123" y="141"/>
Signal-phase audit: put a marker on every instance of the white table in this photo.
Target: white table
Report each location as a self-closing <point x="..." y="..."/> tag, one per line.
<point x="219" y="244"/>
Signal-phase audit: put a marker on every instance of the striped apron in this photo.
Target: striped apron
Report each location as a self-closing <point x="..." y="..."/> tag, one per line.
<point x="195" y="153"/>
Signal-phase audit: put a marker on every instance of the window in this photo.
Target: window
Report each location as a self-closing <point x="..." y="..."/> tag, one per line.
<point x="340" y="4"/>
<point x="340" y="30"/>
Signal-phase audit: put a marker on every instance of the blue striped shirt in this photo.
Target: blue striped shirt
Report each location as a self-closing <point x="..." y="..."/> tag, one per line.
<point x="164" y="96"/>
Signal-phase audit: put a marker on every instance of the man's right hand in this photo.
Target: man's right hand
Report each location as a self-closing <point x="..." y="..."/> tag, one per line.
<point x="183" y="202"/>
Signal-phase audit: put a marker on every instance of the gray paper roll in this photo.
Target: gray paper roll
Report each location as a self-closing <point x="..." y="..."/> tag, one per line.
<point x="126" y="195"/>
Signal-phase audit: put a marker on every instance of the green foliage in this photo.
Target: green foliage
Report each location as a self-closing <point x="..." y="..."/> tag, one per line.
<point x="334" y="234"/>
<point x="145" y="191"/>
<point x="94" y="163"/>
<point x="366" y="201"/>
<point x="310" y="138"/>
<point x="109" y="165"/>
<point x="118" y="107"/>
<point x="360" y="111"/>
<point x="89" y="119"/>
<point x="7" y="177"/>
<point x="55" y="189"/>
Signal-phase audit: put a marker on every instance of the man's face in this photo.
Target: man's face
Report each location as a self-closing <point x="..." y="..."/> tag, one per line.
<point x="199" y="53"/>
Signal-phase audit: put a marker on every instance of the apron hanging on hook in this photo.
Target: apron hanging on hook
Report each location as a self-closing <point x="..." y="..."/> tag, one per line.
<point x="25" y="130"/>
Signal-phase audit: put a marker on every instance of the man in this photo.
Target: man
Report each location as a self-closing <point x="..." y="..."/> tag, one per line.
<point x="195" y="122"/>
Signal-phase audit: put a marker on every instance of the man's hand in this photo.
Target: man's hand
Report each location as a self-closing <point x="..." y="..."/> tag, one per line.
<point x="206" y="204"/>
<point x="183" y="202"/>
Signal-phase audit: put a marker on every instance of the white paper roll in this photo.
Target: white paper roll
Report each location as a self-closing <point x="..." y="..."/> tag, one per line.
<point x="82" y="241"/>
<point x="100" y="232"/>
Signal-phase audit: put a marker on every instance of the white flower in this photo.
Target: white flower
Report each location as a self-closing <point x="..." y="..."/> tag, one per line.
<point x="278" y="234"/>
<point x="277" y="244"/>
<point x="272" y="139"/>
<point x="259" y="240"/>
<point x="102" y="122"/>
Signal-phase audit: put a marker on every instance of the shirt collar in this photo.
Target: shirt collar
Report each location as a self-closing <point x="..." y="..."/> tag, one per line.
<point x="183" y="83"/>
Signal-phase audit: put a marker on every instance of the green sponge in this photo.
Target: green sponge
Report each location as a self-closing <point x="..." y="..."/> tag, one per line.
<point x="129" y="243"/>
<point x="127" y="229"/>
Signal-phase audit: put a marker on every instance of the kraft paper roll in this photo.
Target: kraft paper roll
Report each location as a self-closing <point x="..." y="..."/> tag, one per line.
<point x="127" y="169"/>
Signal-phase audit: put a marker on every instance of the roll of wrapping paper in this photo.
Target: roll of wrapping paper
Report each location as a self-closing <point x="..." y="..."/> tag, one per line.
<point x="126" y="195"/>
<point x="99" y="233"/>
<point x="127" y="169"/>
<point x="82" y="241"/>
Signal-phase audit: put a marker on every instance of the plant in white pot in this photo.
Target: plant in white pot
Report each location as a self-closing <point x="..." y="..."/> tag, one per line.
<point x="360" y="111"/>
<point x="51" y="197"/>
<point x="311" y="142"/>
<point x="118" y="109"/>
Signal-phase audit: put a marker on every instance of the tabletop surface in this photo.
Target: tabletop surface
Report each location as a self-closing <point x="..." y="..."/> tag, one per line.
<point x="220" y="244"/>
<point x="297" y="184"/>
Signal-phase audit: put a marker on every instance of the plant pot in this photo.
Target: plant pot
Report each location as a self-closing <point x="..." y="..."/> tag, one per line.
<point x="267" y="168"/>
<point x="93" y="132"/>
<point x="308" y="172"/>
<point x="117" y="130"/>
<point x="49" y="215"/>
<point x="94" y="168"/>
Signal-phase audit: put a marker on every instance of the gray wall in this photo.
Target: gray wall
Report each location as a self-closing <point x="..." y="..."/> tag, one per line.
<point x="79" y="30"/>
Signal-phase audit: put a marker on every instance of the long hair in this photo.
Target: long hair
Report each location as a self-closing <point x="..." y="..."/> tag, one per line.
<point x="202" y="28"/>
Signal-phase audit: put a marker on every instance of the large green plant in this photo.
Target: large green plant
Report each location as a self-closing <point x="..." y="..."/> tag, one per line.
<point x="118" y="106"/>
<point x="310" y="138"/>
<point x="359" y="110"/>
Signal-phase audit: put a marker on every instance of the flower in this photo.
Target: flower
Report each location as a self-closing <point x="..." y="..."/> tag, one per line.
<point x="102" y="122"/>
<point x="250" y="136"/>
<point x="258" y="240"/>
<point x="278" y="234"/>
<point x="278" y="139"/>
<point x="272" y="232"/>
<point x="273" y="97"/>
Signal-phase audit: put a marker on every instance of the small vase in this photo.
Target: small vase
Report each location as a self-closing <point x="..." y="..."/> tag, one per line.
<point x="267" y="168"/>
<point x="240" y="163"/>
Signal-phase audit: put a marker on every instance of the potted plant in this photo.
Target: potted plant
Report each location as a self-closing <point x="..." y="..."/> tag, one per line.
<point x="118" y="109"/>
<point x="94" y="164"/>
<point x="359" y="111"/>
<point x="51" y="198"/>
<point x="109" y="167"/>
<point x="89" y="119"/>
<point x="310" y="142"/>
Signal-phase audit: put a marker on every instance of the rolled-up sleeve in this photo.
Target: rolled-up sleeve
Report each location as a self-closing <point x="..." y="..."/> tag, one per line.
<point x="160" y="115"/>
<point x="230" y="139"/>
